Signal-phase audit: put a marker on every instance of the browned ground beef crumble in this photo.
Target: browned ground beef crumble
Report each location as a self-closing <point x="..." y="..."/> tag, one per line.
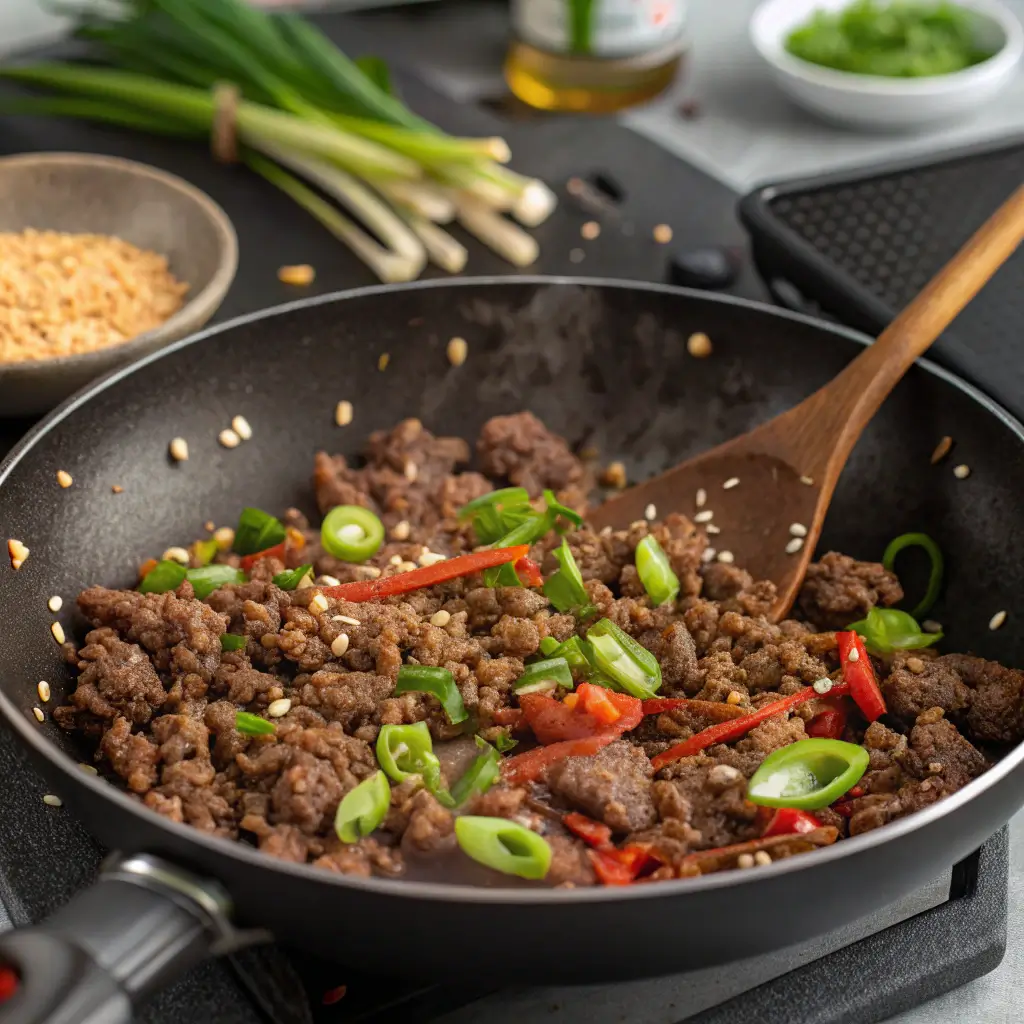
<point x="158" y="696"/>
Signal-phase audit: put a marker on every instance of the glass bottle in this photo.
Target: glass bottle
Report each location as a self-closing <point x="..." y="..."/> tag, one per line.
<point x="596" y="56"/>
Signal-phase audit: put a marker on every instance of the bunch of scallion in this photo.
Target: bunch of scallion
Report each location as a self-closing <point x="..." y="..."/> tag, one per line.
<point x="324" y="129"/>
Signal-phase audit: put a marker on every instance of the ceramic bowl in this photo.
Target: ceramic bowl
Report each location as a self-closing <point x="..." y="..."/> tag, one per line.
<point x="84" y="193"/>
<point x="877" y="102"/>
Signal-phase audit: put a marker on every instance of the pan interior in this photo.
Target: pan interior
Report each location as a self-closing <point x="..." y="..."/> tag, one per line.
<point x="605" y="365"/>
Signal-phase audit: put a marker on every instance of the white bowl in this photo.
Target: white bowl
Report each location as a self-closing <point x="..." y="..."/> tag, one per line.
<point x="874" y="101"/>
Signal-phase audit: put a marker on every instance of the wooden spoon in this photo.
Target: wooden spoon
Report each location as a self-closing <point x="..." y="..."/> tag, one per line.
<point x="786" y="469"/>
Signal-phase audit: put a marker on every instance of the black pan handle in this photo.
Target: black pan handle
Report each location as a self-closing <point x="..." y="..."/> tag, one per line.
<point x="141" y="925"/>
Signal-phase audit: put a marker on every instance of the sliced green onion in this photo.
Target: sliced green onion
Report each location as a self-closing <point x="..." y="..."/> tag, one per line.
<point x="437" y="681"/>
<point x="887" y="629"/>
<point x="291" y="578"/>
<point x="257" y="531"/>
<point x="405" y="750"/>
<point x="543" y="676"/>
<point x="919" y="540"/>
<point x="564" y="588"/>
<point x="504" y="846"/>
<point x="363" y="809"/>
<point x="505" y="742"/>
<point x="655" y="571"/>
<point x="231" y="642"/>
<point x="479" y="776"/>
<point x="164" y="576"/>
<point x="548" y="645"/>
<point x="504" y="497"/>
<point x="626" y="663"/>
<point x="252" y="725"/>
<point x="352" y="533"/>
<point x="556" y="507"/>
<point x="808" y="774"/>
<point x="210" y="577"/>
<point x="576" y="651"/>
<point x="206" y="550"/>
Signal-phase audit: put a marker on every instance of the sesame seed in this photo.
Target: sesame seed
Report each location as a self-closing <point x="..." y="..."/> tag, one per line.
<point x="931" y="626"/>
<point x="400" y="531"/>
<point x="343" y="413"/>
<point x="797" y="530"/>
<point x="962" y="472"/>
<point x="229" y="439"/>
<point x="942" y="449"/>
<point x="699" y="345"/>
<point x="240" y="425"/>
<point x="38" y="712"/>
<point x="329" y="581"/>
<point x="55" y="603"/>
<point x="662" y="234"/>
<point x="301" y="275"/>
<point x="704" y="517"/>
<point x="58" y="632"/>
<point x="382" y="362"/>
<point x="590" y="230"/>
<point x="431" y="558"/>
<point x="395" y="560"/>
<point x="854" y="655"/>
<point x="807" y="481"/>
<point x="916" y="665"/>
<point x="458" y="349"/>
<point x="733" y="481"/>
<point x="43" y="689"/>
<point x="638" y="524"/>
<point x="175" y="555"/>
<point x="762" y="859"/>
<point x="117" y="488"/>
<point x="347" y="619"/>
<point x="179" y="449"/>
<point x="411" y="471"/>
<point x="339" y="645"/>
<point x="52" y="801"/>
<point x="441" y="618"/>
<point x="997" y="620"/>
<point x="279" y="708"/>
<point x="726" y="557"/>
<point x="702" y="498"/>
<point x="18" y="553"/>
<point x="794" y="545"/>
<point x="87" y="768"/>
<point x="407" y="567"/>
<point x="822" y="685"/>
<point x="744" y="860"/>
<point x="709" y="555"/>
<point x="576" y="255"/>
<point x="370" y="572"/>
<point x="224" y="537"/>
<point x="319" y="603"/>
<point x="735" y="697"/>
<point x="651" y="512"/>
<point x="712" y="529"/>
<point x="64" y="478"/>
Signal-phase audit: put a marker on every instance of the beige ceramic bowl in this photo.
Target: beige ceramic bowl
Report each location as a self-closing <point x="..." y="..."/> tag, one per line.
<point x="83" y="193"/>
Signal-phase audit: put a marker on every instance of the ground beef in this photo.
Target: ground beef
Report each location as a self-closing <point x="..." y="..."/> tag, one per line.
<point x="158" y="698"/>
<point x="614" y="786"/>
<point x="839" y="590"/>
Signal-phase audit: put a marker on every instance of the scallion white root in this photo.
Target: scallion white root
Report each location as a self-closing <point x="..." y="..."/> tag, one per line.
<point x="445" y="251"/>
<point x="420" y="197"/>
<point x="505" y="238"/>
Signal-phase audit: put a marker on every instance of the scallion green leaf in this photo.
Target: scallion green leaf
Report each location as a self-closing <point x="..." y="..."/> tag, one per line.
<point x="291" y="578"/>
<point x="479" y="776"/>
<point x="886" y="630"/>
<point x="504" y="497"/>
<point x="257" y="531"/>
<point x="504" y="846"/>
<point x="436" y="681"/>
<point x="626" y="663"/>
<point x="210" y="577"/>
<point x="544" y="676"/>
<point x="164" y="576"/>
<point x="558" y="509"/>
<point x="232" y="642"/>
<point x="253" y="725"/>
<point x="363" y="809"/>
<point x="919" y="540"/>
<point x="655" y="572"/>
<point x="205" y="550"/>
<point x="564" y="588"/>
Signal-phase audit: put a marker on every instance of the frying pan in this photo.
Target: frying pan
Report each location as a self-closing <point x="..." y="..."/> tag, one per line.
<point x="602" y="363"/>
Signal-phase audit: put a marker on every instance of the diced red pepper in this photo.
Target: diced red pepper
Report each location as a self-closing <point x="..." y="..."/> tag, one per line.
<point x="8" y="983"/>
<point x="277" y="551"/>
<point x="829" y="725"/>
<point x="428" y="576"/>
<point x="859" y="675"/>
<point x="528" y="767"/>
<point x="609" y="869"/>
<point x="528" y="572"/>
<point x="843" y="807"/>
<point x="508" y="716"/>
<point x="788" y="820"/>
<point x="855" y="791"/>
<point x="724" y="732"/>
<point x="587" y="712"/>
<point x="595" y="833"/>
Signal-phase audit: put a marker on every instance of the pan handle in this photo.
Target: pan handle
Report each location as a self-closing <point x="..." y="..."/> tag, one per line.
<point x="142" y="924"/>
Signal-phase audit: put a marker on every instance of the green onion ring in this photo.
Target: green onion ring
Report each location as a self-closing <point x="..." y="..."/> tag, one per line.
<point x="919" y="540"/>
<point x="351" y="533"/>
<point x="504" y="846"/>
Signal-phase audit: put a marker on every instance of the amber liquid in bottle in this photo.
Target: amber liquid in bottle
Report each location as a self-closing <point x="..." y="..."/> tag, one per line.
<point x="594" y="56"/>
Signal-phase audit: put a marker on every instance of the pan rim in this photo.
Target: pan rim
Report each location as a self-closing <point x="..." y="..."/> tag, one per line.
<point x="229" y="850"/>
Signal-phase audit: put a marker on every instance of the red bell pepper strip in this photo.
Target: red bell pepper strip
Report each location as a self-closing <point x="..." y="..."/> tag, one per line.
<point x="859" y="675"/>
<point x="528" y="572"/>
<point x="788" y="820"/>
<point x="594" y="833"/>
<point x="724" y="732"/>
<point x="829" y="725"/>
<point x="528" y="767"/>
<point x="587" y="712"/>
<point x="428" y="576"/>
<point x="277" y="551"/>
